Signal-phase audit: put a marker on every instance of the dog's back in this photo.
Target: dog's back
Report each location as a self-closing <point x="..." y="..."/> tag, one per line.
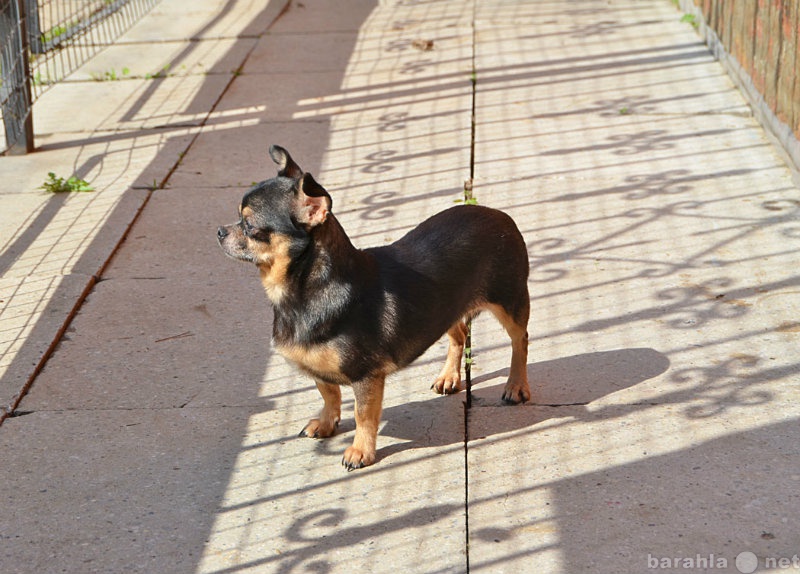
<point x="449" y="267"/>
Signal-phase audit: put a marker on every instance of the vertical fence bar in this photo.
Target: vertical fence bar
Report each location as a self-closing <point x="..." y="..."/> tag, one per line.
<point x="25" y="143"/>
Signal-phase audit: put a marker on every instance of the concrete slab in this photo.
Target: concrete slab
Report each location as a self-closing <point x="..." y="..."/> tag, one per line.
<point x="246" y="143"/>
<point x="130" y="104"/>
<point x="120" y="169"/>
<point x="609" y="491"/>
<point x="302" y="52"/>
<point x="660" y="346"/>
<point x="393" y="55"/>
<point x="66" y="239"/>
<point x="126" y="61"/>
<point x="335" y="520"/>
<point x="173" y="20"/>
<point x="315" y="17"/>
<point x="182" y="294"/>
<point x="140" y="159"/>
<point x="382" y="117"/>
<point x="377" y="125"/>
<point x="48" y="268"/>
<point x="587" y="18"/>
<point x="611" y="116"/>
<point x="105" y="500"/>
<point x="33" y="312"/>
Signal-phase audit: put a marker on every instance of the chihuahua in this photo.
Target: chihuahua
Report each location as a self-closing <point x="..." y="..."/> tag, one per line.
<point x="347" y="316"/>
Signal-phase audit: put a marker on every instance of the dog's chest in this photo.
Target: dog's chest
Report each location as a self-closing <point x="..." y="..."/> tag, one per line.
<point x="323" y="361"/>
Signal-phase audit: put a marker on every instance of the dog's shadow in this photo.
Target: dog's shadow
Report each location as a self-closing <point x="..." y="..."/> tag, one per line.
<point x="576" y="380"/>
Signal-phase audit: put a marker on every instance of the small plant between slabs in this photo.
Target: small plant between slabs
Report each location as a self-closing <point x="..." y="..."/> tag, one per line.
<point x="690" y="19"/>
<point x="162" y="73"/>
<point x="55" y="184"/>
<point x="110" y="75"/>
<point x="468" y="198"/>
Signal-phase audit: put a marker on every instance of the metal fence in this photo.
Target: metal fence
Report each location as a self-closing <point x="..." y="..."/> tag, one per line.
<point x="41" y="42"/>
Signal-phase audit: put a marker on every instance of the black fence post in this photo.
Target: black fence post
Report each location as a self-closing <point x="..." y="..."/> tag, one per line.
<point x="15" y="81"/>
<point x="35" y="43"/>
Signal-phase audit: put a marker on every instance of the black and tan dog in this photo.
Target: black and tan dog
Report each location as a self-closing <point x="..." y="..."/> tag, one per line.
<point x="351" y="317"/>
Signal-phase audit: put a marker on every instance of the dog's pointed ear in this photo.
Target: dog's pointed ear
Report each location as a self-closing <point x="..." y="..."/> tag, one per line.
<point x="286" y="165"/>
<point x="313" y="203"/>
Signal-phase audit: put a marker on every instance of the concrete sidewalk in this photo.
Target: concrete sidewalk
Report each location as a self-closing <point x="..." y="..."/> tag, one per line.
<point x="663" y="229"/>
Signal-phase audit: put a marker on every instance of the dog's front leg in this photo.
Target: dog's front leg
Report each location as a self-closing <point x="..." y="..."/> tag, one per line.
<point x="329" y="416"/>
<point x="369" y="402"/>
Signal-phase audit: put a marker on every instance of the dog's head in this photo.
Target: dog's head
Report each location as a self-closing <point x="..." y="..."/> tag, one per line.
<point x="276" y="219"/>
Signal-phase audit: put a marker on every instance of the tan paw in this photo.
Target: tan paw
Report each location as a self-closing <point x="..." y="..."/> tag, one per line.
<point x="317" y="429"/>
<point x="355" y="458"/>
<point x="447" y="384"/>
<point x="516" y="392"/>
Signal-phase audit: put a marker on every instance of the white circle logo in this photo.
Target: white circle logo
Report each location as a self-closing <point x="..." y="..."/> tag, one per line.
<point x="746" y="562"/>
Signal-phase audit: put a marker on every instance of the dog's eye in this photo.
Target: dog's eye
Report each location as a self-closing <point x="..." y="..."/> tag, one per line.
<point x="262" y="235"/>
<point x="257" y="233"/>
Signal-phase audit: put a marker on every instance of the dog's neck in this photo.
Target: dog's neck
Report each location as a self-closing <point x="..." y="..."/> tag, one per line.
<point x="326" y="275"/>
<point x="330" y="238"/>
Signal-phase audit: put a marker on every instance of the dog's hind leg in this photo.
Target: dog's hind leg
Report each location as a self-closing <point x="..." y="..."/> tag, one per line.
<point x="449" y="380"/>
<point x="517" y="389"/>
<point x="329" y="416"/>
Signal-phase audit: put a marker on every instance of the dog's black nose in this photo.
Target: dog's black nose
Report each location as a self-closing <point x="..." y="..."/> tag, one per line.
<point x="222" y="233"/>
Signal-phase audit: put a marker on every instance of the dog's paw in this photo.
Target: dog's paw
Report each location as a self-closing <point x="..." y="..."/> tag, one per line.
<point x="355" y="458"/>
<point x="516" y="393"/>
<point x="317" y="429"/>
<point x="447" y="384"/>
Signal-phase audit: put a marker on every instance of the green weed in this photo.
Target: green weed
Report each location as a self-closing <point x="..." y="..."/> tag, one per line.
<point x="469" y="198"/>
<point x="55" y="184"/>
<point x="162" y="73"/>
<point x="690" y="19"/>
<point x="109" y="75"/>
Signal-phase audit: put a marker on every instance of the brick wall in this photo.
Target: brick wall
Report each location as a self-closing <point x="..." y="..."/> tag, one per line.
<point x="762" y="37"/>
